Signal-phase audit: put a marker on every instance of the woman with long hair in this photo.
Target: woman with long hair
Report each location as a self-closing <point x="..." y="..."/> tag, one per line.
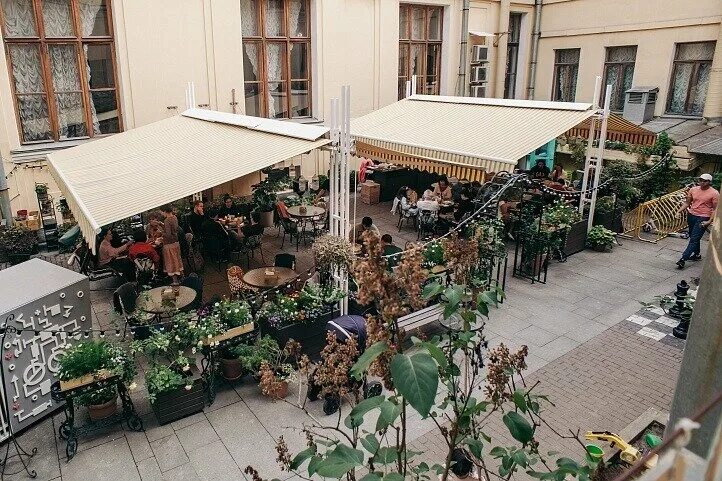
<point x="172" y="261"/>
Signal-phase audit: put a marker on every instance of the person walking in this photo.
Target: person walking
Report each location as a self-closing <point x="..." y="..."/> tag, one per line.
<point x="172" y="261"/>
<point x="700" y="205"/>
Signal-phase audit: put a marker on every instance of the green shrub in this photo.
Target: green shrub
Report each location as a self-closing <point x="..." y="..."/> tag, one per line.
<point x="161" y="378"/>
<point x="599" y="236"/>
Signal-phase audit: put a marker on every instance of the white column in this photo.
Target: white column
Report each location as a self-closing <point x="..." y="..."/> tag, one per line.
<point x="600" y="156"/>
<point x="590" y="141"/>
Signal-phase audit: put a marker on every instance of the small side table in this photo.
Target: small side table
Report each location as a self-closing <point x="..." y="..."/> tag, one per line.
<point x="210" y="350"/>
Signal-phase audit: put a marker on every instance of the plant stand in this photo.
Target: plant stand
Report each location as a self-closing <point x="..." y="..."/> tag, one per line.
<point x="67" y="392"/>
<point x="210" y="349"/>
<point x="311" y="335"/>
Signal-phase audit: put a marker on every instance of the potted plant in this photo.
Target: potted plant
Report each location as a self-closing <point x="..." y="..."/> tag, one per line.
<point x="87" y="362"/>
<point x="18" y="243"/>
<point x="233" y="314"/>
<point x="567" y="222"/>
<point x="251" y="356"/>
<point x="41" y="190"/>
<point x="276" y="373"/>
<point x="330" y="253"/>
<point x="264" y="201"/>
<point x="600" y="238"/>
<point x="175" y="388"/>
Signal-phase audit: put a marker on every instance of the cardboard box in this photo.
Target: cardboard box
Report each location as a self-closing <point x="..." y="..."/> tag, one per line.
<point x="370" y="192"/>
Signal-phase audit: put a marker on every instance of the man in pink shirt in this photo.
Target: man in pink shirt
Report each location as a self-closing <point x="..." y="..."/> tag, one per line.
<point x="701" y="204"/>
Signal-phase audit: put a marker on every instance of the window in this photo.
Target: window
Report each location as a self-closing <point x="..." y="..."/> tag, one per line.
<point x="690" y="78"/>
<point x="61" y="56"/>
<point x="566" y="67"/>
<point x="420" y="29"/>
<point x="276" y="58"/>
<point x="512" y="55"/>
<point x="618" y="72"/>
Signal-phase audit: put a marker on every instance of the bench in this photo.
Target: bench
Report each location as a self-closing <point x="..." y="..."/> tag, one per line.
<point x="420" y="318"/>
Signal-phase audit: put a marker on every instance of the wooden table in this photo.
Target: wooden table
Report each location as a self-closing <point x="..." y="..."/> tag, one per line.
<point x="257" y="277"/>
<point x="151" y="301"/>
<point x="303" y="217"/>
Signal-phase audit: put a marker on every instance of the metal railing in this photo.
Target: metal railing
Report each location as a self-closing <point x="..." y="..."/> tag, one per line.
<point x="656" y="218"/>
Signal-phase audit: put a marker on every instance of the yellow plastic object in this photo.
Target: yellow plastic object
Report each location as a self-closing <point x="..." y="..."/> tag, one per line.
<point x="628" y="453"/>
<point x="656" y="218"/>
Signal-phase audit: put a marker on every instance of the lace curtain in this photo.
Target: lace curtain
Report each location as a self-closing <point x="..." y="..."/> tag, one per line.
<point x="19" y="19"/>
<point x="32" y="107"/>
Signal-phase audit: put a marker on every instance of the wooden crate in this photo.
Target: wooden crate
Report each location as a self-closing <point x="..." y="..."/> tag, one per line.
<point x="230" y="334"/>
<point x="70" y="384"/>
<point x="370" y="192"/>
<point x="174" y="405"/>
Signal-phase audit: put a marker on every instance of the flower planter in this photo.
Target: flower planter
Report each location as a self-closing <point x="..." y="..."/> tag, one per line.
<point x="103" y="411"/>
<point x="231" y="369"/>
<point x="70" y="384"/>
<point x="16" y="259"/>
<point x="280" y="391"/>
<point x="173" y="405"/>
<point x="576" y="238"/>
<point x="610" y="220"/>
<point x="311" y="335"/>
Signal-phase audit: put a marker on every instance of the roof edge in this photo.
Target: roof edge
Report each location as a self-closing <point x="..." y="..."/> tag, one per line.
<point x="534" y="104"/>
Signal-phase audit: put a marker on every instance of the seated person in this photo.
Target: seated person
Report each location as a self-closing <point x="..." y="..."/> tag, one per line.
<point x="154" y="230"/>
<point x="466" y="206"/>
<point x="213" y="231"/>
<point x="397" y="199"/>
<point x="475" y="189"/>
<point x="539" y="171"/>
<point x="141" y="248"/>
<point x="228" y="207"/>
<point x="428" y="202"/>
<point x="456" y="188"/>
<point x="321" y="196"/>
<point x="387" y="242"/>
<point x="442" y="191"/>
<point x="366" y="225"/>
<point x="115" y="257"/>
<point x="558" y="173"/>
<point x="408" y="203"/>
<point x="559" y="184"/>
<point x="197" y="217"/>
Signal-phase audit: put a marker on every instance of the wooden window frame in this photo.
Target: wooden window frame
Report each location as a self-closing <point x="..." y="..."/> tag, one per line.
<point x="425" y="43"/>
<point x="558" y="64"/>
<point x="263" y="41"/>
<point x="620" y="66"/>
<point x="693" y="80"/>
<point x="510" y="87"/>
<point x="78" y="41"/>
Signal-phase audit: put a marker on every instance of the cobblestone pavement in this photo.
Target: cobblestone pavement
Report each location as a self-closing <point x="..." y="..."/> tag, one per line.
<point x="599" y="372"/>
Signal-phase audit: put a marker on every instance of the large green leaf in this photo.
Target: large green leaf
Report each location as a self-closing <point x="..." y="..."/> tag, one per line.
<point x="520" y="400"/>
<point x="371" y="477"/>
<point x="301" y="457"/>
<point x="437" y="353"/>
<point x="475" y="446"/>
<point x="313" y="464"/>
<point x="416" y="377"/>
<point x="394" y="477"/>
<point x="389" y="412"/>
<point x="385" y="455"/>
<point x="370" y="443"/>
<point x="365" y="360"/>
<point x="339" y="462"/>
<point x="519" y="428"/>
<point x="356" y="416"/>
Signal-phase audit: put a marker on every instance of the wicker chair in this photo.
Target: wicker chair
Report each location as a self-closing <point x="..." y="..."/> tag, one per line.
<point x="235" y="283"/>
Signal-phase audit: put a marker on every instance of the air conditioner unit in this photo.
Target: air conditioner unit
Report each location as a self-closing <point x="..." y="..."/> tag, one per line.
<point x="480" y="53"/>
<point x="478" y="90"/>
<point x="478" y="74"/>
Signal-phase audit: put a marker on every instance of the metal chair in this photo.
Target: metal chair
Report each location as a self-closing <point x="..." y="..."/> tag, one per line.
<point x="285" y="260"/>
<point x="252" y="241"/>
<point x="290" y="229"/>
<point x="124" y="303"/>
<point x="426" y="222"/>
<point x="407" y="216"/>
<point x="195" y="282"/>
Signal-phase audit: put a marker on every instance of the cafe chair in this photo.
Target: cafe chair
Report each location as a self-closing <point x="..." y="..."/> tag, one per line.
<point x="145" y="271"/>
<point x="195" y="282"/>
<point x="406" y="216"/>
<point x="285" y="260"/>
<point x="290" y="229"/>
<point x="426" y="223"/>
<point x="124" y="304"/>
<point x="216" y="247"/>
<point x="252" y="241"/>
<point x="236" y="285"/>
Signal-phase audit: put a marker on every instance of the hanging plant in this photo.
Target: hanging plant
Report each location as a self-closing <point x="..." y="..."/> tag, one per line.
<point x="559" y="216"/>
<point x="331" y="252"/>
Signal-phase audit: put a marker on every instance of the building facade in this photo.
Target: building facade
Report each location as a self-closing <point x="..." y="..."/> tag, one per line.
<point x="77" y="70"/>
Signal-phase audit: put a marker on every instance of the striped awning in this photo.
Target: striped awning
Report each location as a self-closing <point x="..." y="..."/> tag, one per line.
<point x="491" y="134"/>
<point x="619" y="129"/>
<point x="112" y="178"/>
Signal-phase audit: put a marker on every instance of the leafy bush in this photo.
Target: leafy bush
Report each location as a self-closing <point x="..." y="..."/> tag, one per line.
<point x="252" y="356"/>
<point x="599" y="236"/>
<point x="234" y="313"/>
<point x="434" y="255"/>
<point x="560" y="215"/>
<point x="161" y="378"/>
<point x="18" y="239"/>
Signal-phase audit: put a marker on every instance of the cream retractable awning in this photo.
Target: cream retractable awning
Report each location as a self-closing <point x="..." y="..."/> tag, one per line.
<point x="489" y="133"/>
<point x="112" y="178"/>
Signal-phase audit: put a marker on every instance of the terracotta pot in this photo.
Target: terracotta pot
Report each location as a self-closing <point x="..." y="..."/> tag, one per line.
<point x="280" y="392"/>
<point x="231" y="369"/>
<point x="102" y="411"/>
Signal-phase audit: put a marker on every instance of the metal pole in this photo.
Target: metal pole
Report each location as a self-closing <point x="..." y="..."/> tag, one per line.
<point x="408" y="88"/>
<point x="590" y="141"/>
<point x="461" y="87"/>
<point x="534" y="49"/>
<point x="600" y="155"/>
<point x="6" y="211"/>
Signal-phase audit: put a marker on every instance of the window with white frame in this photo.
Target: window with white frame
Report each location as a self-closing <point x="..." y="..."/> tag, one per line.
<point x="277" y="57"/>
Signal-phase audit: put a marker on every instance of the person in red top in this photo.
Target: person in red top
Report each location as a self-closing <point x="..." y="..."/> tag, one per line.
<point x="700" y="205"/>
<point x="142" y="248"/>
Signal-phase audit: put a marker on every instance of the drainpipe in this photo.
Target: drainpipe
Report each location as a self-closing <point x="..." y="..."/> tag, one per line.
<point x="5" y="210"/>
<point x="502" y="40"/>
<point x="534" y="49"/>
<point x="463" y="49"/>
<point x="713" y="104"/>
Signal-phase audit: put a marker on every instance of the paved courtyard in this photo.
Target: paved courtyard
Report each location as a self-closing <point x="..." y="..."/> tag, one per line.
<point x="600" y="372"/>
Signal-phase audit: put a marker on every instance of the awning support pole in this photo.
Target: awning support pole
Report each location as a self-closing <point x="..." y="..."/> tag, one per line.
<point x="590" y="141"/>
<point x="600" y="155"/>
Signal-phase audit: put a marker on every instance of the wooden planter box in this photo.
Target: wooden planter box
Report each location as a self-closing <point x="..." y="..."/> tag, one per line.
<point x="71" y="384"/>
<point x="174" y="405"/>
<point x="576" y="238"/>
<point x="230" y="334"/>
<point x="311" y="335"/>
<point x="610" y="220"/>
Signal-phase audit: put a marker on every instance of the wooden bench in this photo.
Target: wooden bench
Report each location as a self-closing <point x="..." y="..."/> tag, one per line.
<point x="420" y="318"/>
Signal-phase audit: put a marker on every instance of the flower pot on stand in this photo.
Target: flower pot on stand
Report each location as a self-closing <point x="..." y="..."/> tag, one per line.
<point x="279" y="391"/>
<point x="103" y="411"/>
<point x="231" y="369"/>
<point x="266" y="218"/>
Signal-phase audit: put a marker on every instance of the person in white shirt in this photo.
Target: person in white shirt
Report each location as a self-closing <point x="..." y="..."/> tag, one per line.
<point x="428" y="202"/>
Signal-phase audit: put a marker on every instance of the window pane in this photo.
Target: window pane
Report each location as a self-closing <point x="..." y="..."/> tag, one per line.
<point x="277" y="100"/>
<point x="435" y="24"/>
<point x="298" y="18"/>
<point x="432" y="54"/>
<point x="300" y="100"/>
<point x="251" y="61"/>
<point x="57" y="19"/>
<point x="25" y="60"/>
<point x="100" y="66"/>
<point x="403" y="58"/>
<point x="567" y="55"/>
<point x="19" y="18"/>
<point x="71" y="117"/>
<point x="253" y="100"/>
<point x="249" y="18"/>
<point x="611" y="77"/>
<point x="565" y="83"/>
<point x="64" y="68"/>
<point x="275" y="60"/>
<point x="299" y="61"/>
<point x="430" y="85"/>
<point x="695" y="51"/>
<point x="699" y="91"/>
<point x="420" y="84"/>
<point x="104" y="107"/>
<point x="93" y="18"/>
<point x="680" y="87"/>
<point x="33" y="110"/>
<point x="274" y="18"/>
<point x="402" y="88"/>
<point x="417" y="23"/>
<point x="621" y="54"/>
<point x="417" y="52"/>
<point x="514" y="27"/>
<point x="403" y="22"/>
